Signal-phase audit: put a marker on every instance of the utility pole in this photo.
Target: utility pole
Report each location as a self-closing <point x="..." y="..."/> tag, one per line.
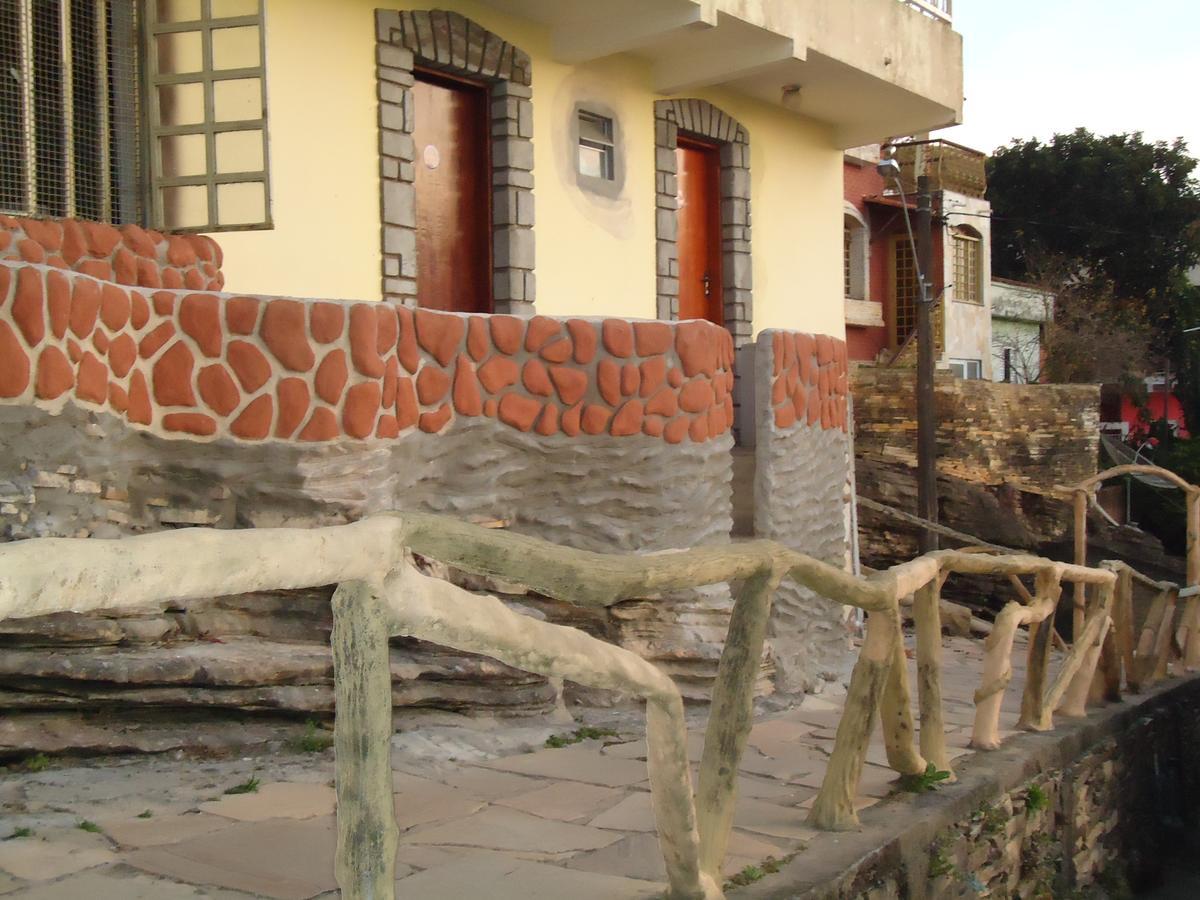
<point x="927" y="507"/>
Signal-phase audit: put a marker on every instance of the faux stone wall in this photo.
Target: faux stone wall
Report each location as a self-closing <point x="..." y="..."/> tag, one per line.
<point x="1040" y="434"/>
<point x="802" y="458"/>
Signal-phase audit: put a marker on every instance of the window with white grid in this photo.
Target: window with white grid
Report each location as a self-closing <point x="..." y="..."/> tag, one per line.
<point x="69" y="115"/>
<point x="968" y="287"/>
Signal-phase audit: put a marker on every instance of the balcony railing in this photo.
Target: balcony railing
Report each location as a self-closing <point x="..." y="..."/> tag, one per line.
<point x="950" y="166"/>
<point x="938" y="9"/>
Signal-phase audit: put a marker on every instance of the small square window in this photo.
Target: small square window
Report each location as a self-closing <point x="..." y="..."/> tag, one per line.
<point x="596" y="151"/>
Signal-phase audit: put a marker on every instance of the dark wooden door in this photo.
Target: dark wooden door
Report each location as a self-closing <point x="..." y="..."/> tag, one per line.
<point x="699" y="183"/>
<point x="453" y="186"/>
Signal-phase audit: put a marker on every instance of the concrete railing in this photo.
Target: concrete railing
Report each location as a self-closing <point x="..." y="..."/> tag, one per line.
<point x="382" y="593"/>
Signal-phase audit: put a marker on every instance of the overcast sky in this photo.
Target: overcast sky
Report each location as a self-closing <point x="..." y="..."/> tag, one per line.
<point x="1037" y="67"/>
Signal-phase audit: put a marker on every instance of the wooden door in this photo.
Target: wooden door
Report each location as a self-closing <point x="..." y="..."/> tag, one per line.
<point x="453" y="187"/>
<point x="699" y="240"/>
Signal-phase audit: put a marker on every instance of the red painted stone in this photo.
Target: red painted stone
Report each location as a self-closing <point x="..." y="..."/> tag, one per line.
<point x="139" y="312"/>
<point x="698" y="430"/>
<point x="547" y="423"/>
<point x="283" y="330"/>
<point x="294" y="399"/>
<point x="388" y="330"/>
<point x="118" y="397"/>
<point x="608" y="381"/>
<point x="800" y="401"/>
<point x="570" y="383"/>
<point x="5" y="280"/>
<point x="824" y="350"/>
<point x="180" y="252"/>
<point x="172" y="279"/>
<point x="85" y="305"/>
<point x="570" y="420"/>
<point x="814" y="407"/>
<point x="628" y="419"/>
<point x="74" y="351"/>
<point x="57" y="261"/>
<point x="654" y="372"/>
<point x="477" y="338"/>
<point x="716" y="420"/>
<point x="249" y="364"/>
<point x="100" y="340"/>
<point x="54" y="374"/>
<point x="122" y="353"/>
<point x="202" y="246"/>
<point x="788" y="347"/>
<point x="31" y="251"/>
<point x="630" y="379"/>
<point x="193" y="279"/>
<point x="190" y="423"/>
<point x="595" y="418"/>
<point x="390" y="374"/>
<point x="154" y="341"/>
<point x="406" y="346"/>
<point x="540" y="331"/>
<point x="254" y="422"/>
<point x="652" y="426"/>
<point x="91" y="382"/>
<point x="172" y="377"/>
<point x="74" y="243"/>
<point x="583" y="336"/>
<point x="164" y="303"/>
<point x="490" y="408"/>
<point x="321" y="426"/>
<point x="137" y="240"/>
<point x="696" y="344"/>
<point x="433" y="422"/>
<point x="432" y="385"/>
<point x="507" y="332"/>
<point x="5" y="240"/>
<point x="364" y="334"/>
<point x="325" y="321"/>
<point x="140" y="410"/>
<point x="124" y="266"/>
<point x="676" y="430"/>
<point x="617" y="335"/>
<point x="664" y="403"/>
<point x="388" y="427"/>
<point x="28" y="307"/>
<point x="779" y="389"/>
<point x="536" y="379"/>
<point x="674" y="377"/>
<point x="361" y="409"/>
<point x="407" y="410"/>
<point x="241" y="315"/>
<point x="331" y="378"/>
<point x="46" y="232"/>
<point x="114" y="307"/>
<point x="218" y="390"/>
<point x="58" y="302"/>
<point x="519" y="411"/>
<point x="468" y="401"/>
<point x="823" y="382"/>
<point x="718" y="386"/>
<point x="696" y="396"/>
<point x="804" y="350"/>
<point x="147" y="274"/>
<point x="96" y="268"/>
<point x="439" y="333"/>
<point x="652" y="338"/>
<point x="557" y="351"/>
<point x="498" y="373"/>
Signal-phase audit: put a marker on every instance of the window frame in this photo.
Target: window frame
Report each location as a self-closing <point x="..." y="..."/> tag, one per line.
<point x="856" y="254"/>
<point x="610" y="188"/>
<point x="964" y="367"/>
<point x="209" y="128"/>
<point x="605" y="144"/>
<point x="971" y="245"/>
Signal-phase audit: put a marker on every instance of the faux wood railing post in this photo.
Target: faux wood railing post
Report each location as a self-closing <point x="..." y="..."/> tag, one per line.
<point x="1081" y="504"/>
<point x="1123" y="625"/>
<point x="1034" y="716"/>
<point x="895" y="711"/>
<point x="1075" y="697"/>
<point x="731" y="716"/>
<point x="927" y="616"/>
<point x="833" y="809"/>
<point x="1164" y="642"/>
<point x="362" y="734"/>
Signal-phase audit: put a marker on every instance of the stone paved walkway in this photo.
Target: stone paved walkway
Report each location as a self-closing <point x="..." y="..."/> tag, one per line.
<point x="550" y="823"/>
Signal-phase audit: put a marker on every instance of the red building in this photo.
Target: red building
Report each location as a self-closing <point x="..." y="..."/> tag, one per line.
<point x="1122" y="417"/>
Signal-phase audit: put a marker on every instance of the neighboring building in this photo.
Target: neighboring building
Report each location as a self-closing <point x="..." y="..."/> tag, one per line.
<point x="879" y="275"/>
<point x="1123" y="417"/>
<point x="1020" y="313"/>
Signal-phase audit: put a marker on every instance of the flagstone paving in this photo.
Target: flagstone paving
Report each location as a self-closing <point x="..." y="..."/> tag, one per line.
<point x="478" y="809"/>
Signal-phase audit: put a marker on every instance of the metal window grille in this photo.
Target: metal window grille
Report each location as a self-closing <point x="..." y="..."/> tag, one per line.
<point x="847" y="268"/>
<point x="597" y="155"/>
<point x="966" y="269"/>
<point x="907" y="290"/>
<point x="207" y="115"/>
<point x="69" y="109"/>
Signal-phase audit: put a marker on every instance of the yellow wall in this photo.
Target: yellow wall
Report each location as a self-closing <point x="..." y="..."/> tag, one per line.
<point x="595" y="256"/>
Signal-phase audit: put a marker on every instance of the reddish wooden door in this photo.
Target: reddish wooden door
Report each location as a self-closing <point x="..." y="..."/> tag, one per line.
<point x="699" y="184"/>
<point x="453" y="187"/>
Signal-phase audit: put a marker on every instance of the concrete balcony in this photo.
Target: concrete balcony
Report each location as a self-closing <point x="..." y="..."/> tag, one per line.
<point x="869" y="69"/>
<point x="949" y="166"/>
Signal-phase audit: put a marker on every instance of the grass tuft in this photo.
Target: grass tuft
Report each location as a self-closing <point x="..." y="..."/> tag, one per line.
<point x="586" y="733"/>
<point x="924" y="781"/>
<point x="86" y="825"/>
<point x="314" y="740"/>
<point x="249" y="786"/>
<point x="21" y="832"/>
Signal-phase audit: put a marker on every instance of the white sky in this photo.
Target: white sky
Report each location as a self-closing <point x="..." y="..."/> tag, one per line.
<point x="1037" y="67"/>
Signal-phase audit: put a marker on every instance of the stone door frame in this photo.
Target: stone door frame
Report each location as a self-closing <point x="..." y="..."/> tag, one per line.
<point x="702" y="119"/>
<point x="448" y="42"/>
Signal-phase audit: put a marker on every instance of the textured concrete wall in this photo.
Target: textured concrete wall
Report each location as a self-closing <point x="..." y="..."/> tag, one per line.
<point x="802" y="473"/>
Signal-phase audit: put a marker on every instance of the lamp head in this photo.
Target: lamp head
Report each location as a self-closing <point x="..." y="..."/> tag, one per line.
<point x="888" y="167"/>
